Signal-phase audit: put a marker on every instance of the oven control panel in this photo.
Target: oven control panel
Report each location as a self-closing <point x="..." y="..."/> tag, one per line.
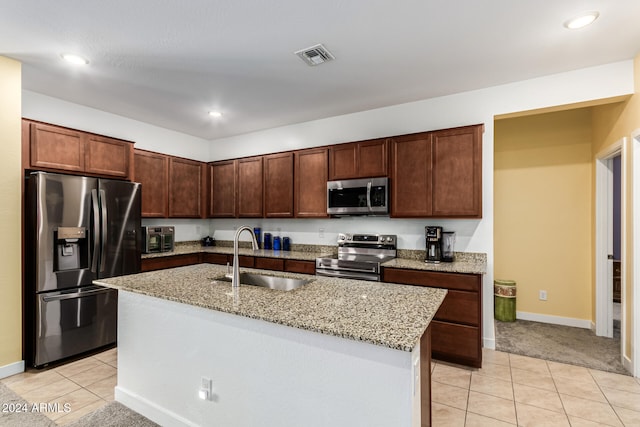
<point x="367" y="239"/>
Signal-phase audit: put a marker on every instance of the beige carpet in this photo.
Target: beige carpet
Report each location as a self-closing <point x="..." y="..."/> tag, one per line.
<point x="575" y="346"/>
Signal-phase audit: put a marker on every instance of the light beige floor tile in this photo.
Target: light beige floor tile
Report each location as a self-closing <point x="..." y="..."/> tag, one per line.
<point x="73" y="402"/>
<point x="50" y="392"/>
<point x="537" y="397"/>
<point x="476" y="420"/>
<point x="590" y="410"/>
<point x="492" y="407"/>
<point x="616" y="381"/>
<point x="74" y="415"/>
<point x="493" y="386"/>
<point x="446" y="416"/>
<point x="580" y="388"/>
<point x="628" y="417"/>
<point x="580" y="422"/>
<point x="452" y="376"/>
<point x="34" y="381"/>
<point x="78" y="366"/>
<point x="538" y="417"/>
<point x="495" y="357"/>
<point x="623" y="399"/>
<point x="449" y="395"/>
<point x="93" y="375"/>
<point x="103" y="388"/>
<point x="107" y="354"/>
<point x="533" y="379"/>
<point x="563" y="370"/>
<point x="496" y="371"/>
<point x="529" y="364"/>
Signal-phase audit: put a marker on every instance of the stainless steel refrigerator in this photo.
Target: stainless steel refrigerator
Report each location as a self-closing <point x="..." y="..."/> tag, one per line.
<point x="77" y="229"/>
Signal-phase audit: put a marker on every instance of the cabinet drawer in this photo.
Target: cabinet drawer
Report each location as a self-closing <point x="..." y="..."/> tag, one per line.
<point x="460" y="307"/>
<point x="161" y="263"/>
<point x="216" y="258"/>
<point x="269" y="264"/>
<point x="456" y="343"/>
<point x="296" y="266"/>
<point x="459" y="281"/>
<point x="244" y="261"/>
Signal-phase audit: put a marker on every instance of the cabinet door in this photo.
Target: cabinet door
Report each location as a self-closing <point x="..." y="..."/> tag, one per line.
<point x="343" y="163"/>
<point x="56" y="148"/>
<point x="222" y="188"/>
<point x="186" y="178"/>
<point x="278" y="185"/>
<point x="152" y="171"/>
<point x="373" y="158"/>
<point x="411" y="176"/>
<point x="311" y="168"/>
<point x="250" y="187"/>
<point x="457" y="172"/>
<point x="107" y="156"/>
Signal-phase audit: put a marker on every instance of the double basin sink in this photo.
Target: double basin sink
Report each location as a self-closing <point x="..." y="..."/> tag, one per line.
<point x="271" y="282"/>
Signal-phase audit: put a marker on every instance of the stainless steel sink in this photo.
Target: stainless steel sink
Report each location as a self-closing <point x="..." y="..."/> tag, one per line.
<point x="271" y="282"/>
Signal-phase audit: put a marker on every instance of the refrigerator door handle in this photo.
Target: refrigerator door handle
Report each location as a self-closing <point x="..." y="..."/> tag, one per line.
<point x="96" y="230"/>
<point x="104" y="222"/>
<point x="75" y="295"/>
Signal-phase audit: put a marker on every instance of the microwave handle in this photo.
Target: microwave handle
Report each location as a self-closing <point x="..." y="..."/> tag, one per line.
<point x="369" y="195"/>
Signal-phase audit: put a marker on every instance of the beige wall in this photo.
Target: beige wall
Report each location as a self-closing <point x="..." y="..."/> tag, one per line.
<point x="10" y="213"/>
<point x="611" y="123"/>
<point x="543" y="205"/>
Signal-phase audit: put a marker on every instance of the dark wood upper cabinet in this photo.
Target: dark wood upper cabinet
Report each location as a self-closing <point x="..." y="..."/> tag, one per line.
<point x="222" y="189"/>
<point x="437" y="174"/>
<point x="250" y="189"/>
<point x="152" y="171"/>
<point x="411" y="176"/>
<point x="362" y="159"/>
<point x="108" y="156"/>
<point x="457" y="172"/>
<point x="311" y="172"/>
<point x="58" y="149"/>
<point x="278" y="185"/>
<point x="186" y="188"/>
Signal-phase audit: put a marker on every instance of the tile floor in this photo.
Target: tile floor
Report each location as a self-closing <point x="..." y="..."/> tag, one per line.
<point x="85" y="385"/>
<point x="509" y="390"/>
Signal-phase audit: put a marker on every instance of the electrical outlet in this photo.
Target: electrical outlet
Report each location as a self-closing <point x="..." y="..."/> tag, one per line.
<point x="321" y="233"/>
<point x="206" y="389"/>
<point x="542" y="296"/>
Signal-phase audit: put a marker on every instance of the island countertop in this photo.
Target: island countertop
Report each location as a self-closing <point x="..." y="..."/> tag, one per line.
<point x="384" y="314"/>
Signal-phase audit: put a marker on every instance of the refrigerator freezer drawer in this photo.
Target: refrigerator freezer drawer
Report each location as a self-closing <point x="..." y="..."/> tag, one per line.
<point x="73" y="322"/>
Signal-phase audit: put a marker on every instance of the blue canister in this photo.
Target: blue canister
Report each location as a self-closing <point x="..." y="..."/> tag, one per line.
<point x="267" y="241"/>
<point x="276" y="243"/>
<point x="286" y="244"/>
<point x="257" y="232"/>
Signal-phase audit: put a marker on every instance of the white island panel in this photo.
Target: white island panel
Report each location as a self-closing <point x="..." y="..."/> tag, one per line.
<point x="263" y="374"/>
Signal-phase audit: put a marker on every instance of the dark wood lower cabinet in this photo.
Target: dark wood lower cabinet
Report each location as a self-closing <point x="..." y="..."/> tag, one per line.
<point x="456" y="333"/>
<point x="160" y="263"/>
<point x="269" y="263"/>
<point x="297" y="266"/>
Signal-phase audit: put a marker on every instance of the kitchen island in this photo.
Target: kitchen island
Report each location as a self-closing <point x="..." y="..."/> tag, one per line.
<point x="332" y="352"/>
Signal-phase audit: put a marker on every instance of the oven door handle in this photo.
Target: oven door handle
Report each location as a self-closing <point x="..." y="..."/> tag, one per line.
<point x="76" y="295"/>
<point x="357" y="270"/>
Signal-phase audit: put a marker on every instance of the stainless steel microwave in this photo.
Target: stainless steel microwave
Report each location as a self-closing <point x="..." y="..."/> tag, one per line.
<point x="157" y="239"/>
<point x="369" y="196"/>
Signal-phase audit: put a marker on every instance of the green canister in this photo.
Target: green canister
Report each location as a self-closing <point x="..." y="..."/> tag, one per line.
<point x="504" y="300"/>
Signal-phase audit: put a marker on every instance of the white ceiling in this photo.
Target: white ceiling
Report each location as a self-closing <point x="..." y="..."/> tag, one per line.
<point x="168" y="62"/>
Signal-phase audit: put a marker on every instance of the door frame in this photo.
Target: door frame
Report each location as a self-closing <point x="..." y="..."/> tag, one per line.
<point x="633" y="363"/>
<point x="604" y="240"/>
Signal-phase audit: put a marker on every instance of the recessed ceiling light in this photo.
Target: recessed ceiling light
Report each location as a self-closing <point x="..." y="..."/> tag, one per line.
<point x="75" y="59"/>
<point x="215" y="114"/>
<point x="582" y="20"/>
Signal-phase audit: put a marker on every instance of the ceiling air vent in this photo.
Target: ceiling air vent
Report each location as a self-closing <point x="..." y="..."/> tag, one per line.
<point x="315" y="55"/>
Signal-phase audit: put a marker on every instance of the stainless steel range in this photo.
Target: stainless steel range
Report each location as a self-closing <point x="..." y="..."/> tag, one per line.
<point x="359" y="256"/>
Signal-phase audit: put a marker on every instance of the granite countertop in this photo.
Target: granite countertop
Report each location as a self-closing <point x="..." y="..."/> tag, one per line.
<point x="464" y="262"/>
<point x="384" y="314"/>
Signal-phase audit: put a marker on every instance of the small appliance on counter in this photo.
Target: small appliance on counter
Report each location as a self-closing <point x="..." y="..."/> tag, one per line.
<point x="448" y="243"/>
<point x="157" y="239"/>
<point x="433" y="236"/>
<point x="208" y="241"/>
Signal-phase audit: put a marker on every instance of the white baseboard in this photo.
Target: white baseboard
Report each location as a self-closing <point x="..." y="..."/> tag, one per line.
<point x="11" y="369"/>
<point x="489" y="343"/>
<point x="626" y="363"/>
<point x="555" y="320"/>
<point x="155" y="413"/>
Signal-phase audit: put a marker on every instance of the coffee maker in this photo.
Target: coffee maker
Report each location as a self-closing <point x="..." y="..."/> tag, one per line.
<point x="433" y="236"/>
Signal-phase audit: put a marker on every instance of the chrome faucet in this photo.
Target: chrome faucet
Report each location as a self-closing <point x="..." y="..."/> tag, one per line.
<point x="235" y="279"/>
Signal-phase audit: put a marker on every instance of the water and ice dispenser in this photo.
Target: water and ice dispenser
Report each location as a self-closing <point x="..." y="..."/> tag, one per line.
<point x="71" y="248"/>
